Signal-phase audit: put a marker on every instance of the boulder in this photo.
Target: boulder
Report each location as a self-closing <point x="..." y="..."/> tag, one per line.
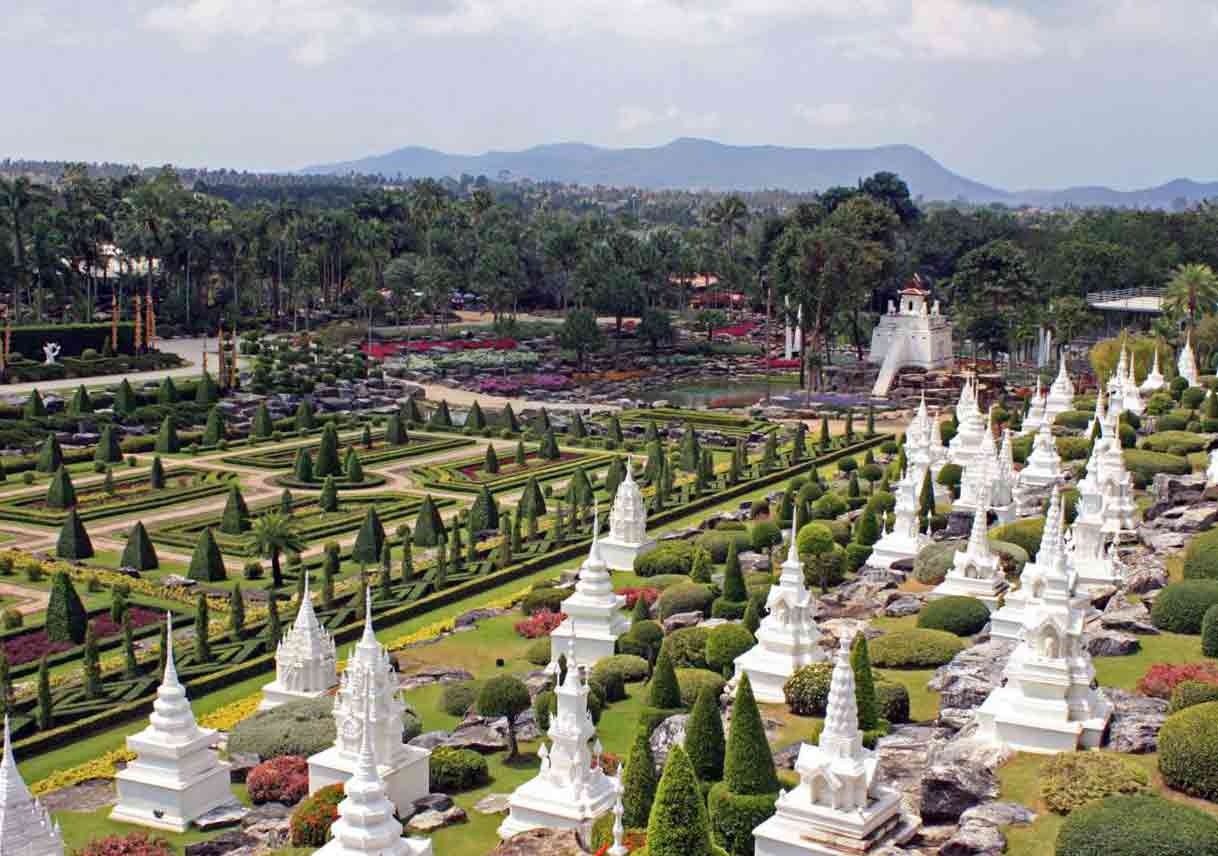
<point x="668" y="734"/>
<point x="270" y="824"/>
<point x="752" y="562"/>
<point x="903" y="756"/>
<point x="1136" y="720"/>
<point x="476" y="615"/>
<point x="429" y="675"/>
<point x="903" y="606"/>
<point x="975" y="839"/>
<point x="835" y="629"/>
<point x="1102" y="642"/>
<point x="541" y="842"/>
<point x="234" y="842"/>
<point x="999" y="814"/>
<point x="682" y="619"/>
<point x="429" y="739"/>
<point x="1186" y="520"/>
<point x="493" y="804"/>
<point x="960" y="775"/>
<point x="1123" y="614"/>
<point x="784" y="759"/>
<point x="1172" y="490"/>
<point x="229" y="814"/>
<point x="434" y="802"/>
<point x="1100" y="595"/>
<point x="480" y="738"/>
<point x="430" y="821"/>
<point x="240" y="764"/>
<point x="1147" y="573"/>
<point x="972" y="675"/>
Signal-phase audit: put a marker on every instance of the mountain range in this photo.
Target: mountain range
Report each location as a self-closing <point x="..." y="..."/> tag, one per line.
<point x="696" y="164"/>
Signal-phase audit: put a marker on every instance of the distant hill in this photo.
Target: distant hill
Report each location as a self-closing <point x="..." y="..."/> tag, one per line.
<point x="696" y="164"/>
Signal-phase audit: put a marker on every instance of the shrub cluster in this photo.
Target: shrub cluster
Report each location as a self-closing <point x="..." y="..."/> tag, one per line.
<point x="131" y="844"/>
<point x="1072" y="779"/>
<point x="1144" y="465"/>
<point x="1201" y="557"/>
<point x="1180" y="607"/>
<point x="1022" y="533"/>
<point x="283" y="780"/>
<point x="724" y="644"/>
<point x="807" y="691"/>
<point x="686" y="647"/>
<point x="686" y="597"/>
<point x="457" y="699"/>
<point x="544" y="598"/>
<point x="1176" y="442"/>
<point x="1138" y="825"/>
<point x="1188" y="750"/>
<point x="540" y="623"/>
<point x="691" y="682"/>
<point x="669" y="557"/>
<point x="312" y="819"/>
<point x="629" y="668"/>
<point x="932" y="564"/>
<point x="915" y="649"/>
<point x="717" y="541"/>
<point x="299" y="728"/>
<point x="962" y="616"/>
<point x="1189" y="693"/>
<point x="454" y="770"/>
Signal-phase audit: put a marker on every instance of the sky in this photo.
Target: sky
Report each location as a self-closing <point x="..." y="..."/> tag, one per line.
<point x="1031" y="94"/>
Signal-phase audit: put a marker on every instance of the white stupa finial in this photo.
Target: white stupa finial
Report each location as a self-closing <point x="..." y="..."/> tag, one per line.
<point x="841" y="711"/>
<point x="369" y="637"/>
<point x="978" y="539"/>
<point x="26" y="828"/>
<point x="170" y="678"/>
<point x="365" y="765"/>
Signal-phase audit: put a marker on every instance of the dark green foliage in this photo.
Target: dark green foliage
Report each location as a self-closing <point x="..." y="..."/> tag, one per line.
<point x="34" y="407"/>
<point x="868" y="530"/>
<point x="60" y="492"/>
<point x="365" y="436"/>
<point x="328" y="501"/>
<point x="807" y="691"/>
<point x="508" y="419"/>
<point x="440" y="417"/>
<point x="263" y="426"/>
<point x="1023" y="533"/>
<point x="733" y="579"/>
<point x="124" y="399"/>
<point x="329" y="570"/>
<point x="915" y="649"/>
<point x="1070" y="780"/>
<point x="156" y="474"/>
<point x="519" y="456"/>
<point x="724" y="644"/>
<point x="353" y="471"/>
<point x="202" y="632"/>
<point x="167" y="393"/>
<point x="66" y="619"/>
<point x="1189" y="693"/>
<point x="50" y="456"/>
<point x="236" y="612"/>
<point x="1144" y="465"/>
<point x="395" y="433"/>
<point x="926" y="497"/>
<point x="689" y="453"/>
<point x="167" y="438"/>
<point x="864" y="685"/>
<point x="454" y="770"/>
<point x="962" y="616"/>
<point x="73" y="540"/>
<point x="733" y="817"/>
<point x="1138" y="825"/>
<point x="749" y="765"/>
<point x="484" y="514"/>
<point x="139" y="552"/>
<point x="1201" y="557"/>
<point x="475" y="420"/>
<point x="892" y="700"/>
<point x="491" y="464"/>
<point x="638" y="782"/>
<point x="305" y="418"/>
<point x="327" y="453"/>
<point x="678" y="824"/>
<point x="273" y="627"/>
<point x="205" y="390"/>
<point x="504" y="696"/>
<point x="428" y="525"/>
<point x="206" y="565"/>
<point x="704" y="740"/>
<point x="107" y="450"/>
<point x="685" y="597"/>
<point x="370" y="540"/>
<point x="533" y="501"/>
<point x="214" y="432"/>
<point x="302" y="467"/>
<point x="769" y="454"/>
<point x="44" y="695"/>
<point x="752" y="616"/>
<point x="663" y="692"/>
<point x="1209" y="632"/>
<point x="1180" y="607"/>
<point x="549" y="446"/>
<point x="1188" y="751"/>
<point x="91" y="666"/>
<point x="236" y="517"/>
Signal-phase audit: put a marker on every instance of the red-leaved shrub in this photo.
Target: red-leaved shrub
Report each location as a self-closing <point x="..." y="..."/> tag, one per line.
<point x="1161" y="678"/>
<point x="283" y="780"/>
<point x="632" y="594"/>
<point x="311" y="822"/>
<point x="540" y="623"/>
<point x="131" y="844"/>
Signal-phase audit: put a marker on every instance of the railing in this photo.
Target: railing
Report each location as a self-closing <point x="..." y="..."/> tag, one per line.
<point x="1123" y="294"/>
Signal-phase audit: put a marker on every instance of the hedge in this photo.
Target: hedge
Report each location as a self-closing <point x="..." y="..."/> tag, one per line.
<point x="686" y="597"/>
<point x="1144" y="465"/>
<point x="686" y="647"/>
<point x="1201" y="557"/>
<point x="1176" y="442"/>
<point x="454" y="770"/>
<point x="807" y="691"/>
<point x="961" y="616"/>
<point x="933" y="562"/>
<point x="915" y="649"/>
<point x="668" y="557"/>
<point x="692" y="682"/>
<point x="1023" y="533"/>
<point x="1138" y="825"/>
<point x="724" y="644"/>
<point x="1189" y="693"/>
<point x="1188" y="750"/>
<point x="1181" y="607"/>
<point x="1069" y="780"/>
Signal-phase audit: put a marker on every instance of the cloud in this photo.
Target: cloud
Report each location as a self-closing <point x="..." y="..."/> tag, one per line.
<point x="946" y="30"/>
<point x="838" y="115"/>
<point x="634" y="117"/>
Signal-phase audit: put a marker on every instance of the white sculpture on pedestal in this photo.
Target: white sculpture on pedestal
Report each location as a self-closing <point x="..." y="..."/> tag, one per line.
<point x="839" y="805"/>
<point x="1061" y="393"/>
<point x="1048" y="702"/>
<point x="1155" y="380"/>
<point x="26" y="828"/>
<point x="568" y="792"/>
<point x="618" y="848"/>
<point x="992" y="472"/>
<point x="627" y="526"/>
<point x="176" y="776"/>
<point x="1036" y="411"/>
<point x="366" y="825"/>
<point x="50" y="350"/>
<point x="1186" y="363"/>
<point x="305" y="662"/>
<point x="404" y="769"/>
<point x="1039" y="474"/>
<point x="905" y="540"/>
<point x="1105" y="510"/>
<point x="976" y="571"/>
<point x="788" y="638"/>
<point x="1051" y="562"/>
<point x="594" y="618"/>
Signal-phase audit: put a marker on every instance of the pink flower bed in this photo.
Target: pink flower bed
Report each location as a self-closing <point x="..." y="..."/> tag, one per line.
<point x="34" y="645"/>
<point x="380" y="350"/>
<point x="784" y="364"/>
<point x="632" y="594"/>
<point x="736" y="330"/>
<point x="284" y="780"/>
<point x="540" y="623"/>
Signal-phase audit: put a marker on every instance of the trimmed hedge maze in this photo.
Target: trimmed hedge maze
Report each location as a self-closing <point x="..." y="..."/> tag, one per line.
<point x="467" y="476"/>
<point x="701" y="420"/>
<point x="311" y="523"/>
<point x="132" y="494"/>
<point x="381" y="452"/>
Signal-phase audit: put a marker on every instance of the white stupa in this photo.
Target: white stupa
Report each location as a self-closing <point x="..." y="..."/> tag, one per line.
<point x="176" y="776"/>
<point x="976" y="571"/>
<point x="1061" y="393"/>
<point x="1048" y="702"/>
<point x="970" y="428"/>
<point x="594" y="613"/>
<point x="1131" y="396"/>
<point x="404" y="769"/>
<point x="1211" y="472"/>
<point x="1154" y="381"/>
<point x="1035" y="416"/>
<point x="366" y="825"/>
<point x="1186" y="363"/>
<point x="305" y="662"/>
<point x="26" y="828"/>
<point x="924" y="442"/>
<point x="1039" y="475"/>
<point x="627" y="526"/>
<point x="1050" y="564"/>
<point x="839" y="805"/>
<point x="905" y="540"/>
<point x="991" y="473"/>
<point x="1105" y="510"/>
<point x="568" y="792"/>
<point x="788" y="638"/>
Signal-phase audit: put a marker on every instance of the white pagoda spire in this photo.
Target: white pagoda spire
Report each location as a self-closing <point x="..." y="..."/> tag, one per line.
<point x="1186" y="364"/>
<point x="905" y="540"/>
<point x="627" y="526"/>
<point x="618" y="848"/>
<point x="305" y="661"/>
<point x="26" y="828"/>
<point x="1050" y="565"/>
<point x="976" y="571"/>
<point x="1155" y="380"/>
<point x="1036" y="410"/>
<point x="1061" y="392"/>
<point x="594" y="618"/>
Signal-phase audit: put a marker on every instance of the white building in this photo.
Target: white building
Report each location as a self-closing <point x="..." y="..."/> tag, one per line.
<point x="627" y="526"/>
<point x="594" y="613"/>
<point x="911" y="335"/>
<point x="1061" y="394"/>
<point x="976" y="571"/>
<point x="839" y="806"/>
<point x="305" y="662"/>
<point x="1007" y="622"/>
<point x="905" y="540"/>
<point x="26" y="828"/>
<point x="176" y="776"/>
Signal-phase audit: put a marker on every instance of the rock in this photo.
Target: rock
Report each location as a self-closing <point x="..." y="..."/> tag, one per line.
<point x="784" y="759"/>
<point x="903" y="755"/>
<point x="541" y="842"/>
<point x="960" y="775"/>
<point x="430" y="821"/>
<point x="176" y="580"/>
<point x="1100" y="595"/>
<point x="480" y="738"/>
<point x="972" y="675"/>
<point x="1172" y="490"/>
<point x="1162" y="542"/>
<point x="429" y="675"/>
<point x="476" y="615"/>
<point x="1185" y="520"/>
<point x="682" y="619"/>
<point x="1123" y="614"/>
<point x="975" y="839"/>
<point x="752" y="562"/>
<point x="999" y="814"/>
<point x="956" y="718"/>
<point x="493" y="804"/>
<point x="903" y="606"/>
<point x="429" y="739"/>
<point x="1136" y="720"/>
<point x="668" y="733"/>
<point x="240" y="764"/>
<point x="270" y="823"/>
<point x="229" y="814"/>
<point x="1112" y="643"/>
<point x="1149" y="574"/>
<point x="434" y="802"/>
<point x="225" y="843"/>
<point x="848" y="628"/>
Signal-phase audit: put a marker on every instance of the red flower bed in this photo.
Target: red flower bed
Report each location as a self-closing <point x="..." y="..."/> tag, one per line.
<point x="131" y="844"/>
<point x="540" y="623"/>
<point x="736" y="330"/>
<point x="777" y="363"/>
<point x="34" y="645"/>
<point x="1161" y="678"/>
<point x="283" y="780"/>
<point x="633" y="593"/>
<point x="380" y="350"/>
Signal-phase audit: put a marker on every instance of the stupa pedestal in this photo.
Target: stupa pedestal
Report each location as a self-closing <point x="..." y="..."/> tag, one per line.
<point x="26" y="828"/>
<point x="176" y="776"/>
<point x="594" y="613"/>
<point x="905" y="540"/>
<point x="627" y="527"/>
<point x="1061" y="393"/>
<point x="305" y="662"/>
<point x="976" y="571"/>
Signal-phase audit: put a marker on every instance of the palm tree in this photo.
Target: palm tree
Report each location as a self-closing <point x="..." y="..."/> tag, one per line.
<point x="1190" y="286"/>
<point x="18" y="199"/>
<point x="275" y="533"/>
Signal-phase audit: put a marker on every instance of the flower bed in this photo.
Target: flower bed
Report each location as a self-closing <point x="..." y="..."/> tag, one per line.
<point x="540" y="623"/>
<point x="468" y="476"/>
<point x="417" y="445"/>
<point x="380" y="350"/>
<point x="35" y="644"/>
<point x="1161" y="678"/>
<point x="533" y="461"/>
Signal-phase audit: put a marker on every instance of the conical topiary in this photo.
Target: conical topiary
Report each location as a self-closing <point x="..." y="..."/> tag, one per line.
<point x="395" y="434"/>
<point x="549" y="447"/>
<point x="213" y="432"/>
<point x="440" y="417"/>
<point x="614" y="477"/>
<point x="124" y="399"/>
<point x="508" y="419"/>
<point x="752" y="617"/>
<point x="475" y="420"/>
<point x="263" y="426"/>
<point x="615" y="431"/>
<point x="484" y="514"/>
<point x="663" y="691"/>
<point x="868" y="530"/>
<point x="491" y="463"/>
<point x="748" y="767"/>
<point x="50" y="456"/>
<point x="139" y="552"/>
<point x="156" y="474"/>
<point x="520" y="457"/>
<point x="353" y="470"/>
<point x="638" y="782"/>
<point x="864" y="685"/>
<point x="236" y="517"/>
<point x="533" y="501"/>
<point x="108" y="450"/>
<point x="733" y="579"/>
<point x="80" y="403"/>
<point x="34" y="408"/>
<point x="66" y="618"/>
<point x="286" y="503"/>
<point x="206" y="564"/>
<point x="60" y="493"/>
<point x="704" y="738"/>
<point x="302" y="467"/>
<point x="327" y="453"/>
<point x="305" y="419"/>
<point x="678" y="824"/>
<point x="206" y="392"/>
<point x="167" y="393"/>
<point x="370" y="540"/>
<point x="73" y="540"/>
<point x="578" y="429"/>
<point x="328" y="501"/>
<point x="428" y="526"/>
<point x="167" y="437"/>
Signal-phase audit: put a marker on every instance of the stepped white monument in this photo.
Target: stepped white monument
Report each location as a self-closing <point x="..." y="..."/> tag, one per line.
<point x="176" y="776"/>
<point x="26" y="828"/>
<point x="1007" y="622"/>
<point x="1039" y="475"/>
<point x="910" y="335"/>
<point x="1186" y="363"/>
<point x="1105" y="510"/>
<point x="627" y="526"/>
<point x="788" y="638"/>
<point x="924" y="443"/>
<point x="305" y="661"/>
<point x="1154" y="381"/>
<point x="1123" y="387"/>
<point x="976" y="571"/>
<point x="990" y="472"/>
<point x="594" y="618"/>
<point x="1035" y="417"/>
<point x="905" y="540"/>
<point x="970" y="427"/>
<point x="568" y="792"/>
<point x="1061" y="393"/>
<point x="839" y="806"/>
<point x="404" y="769"/>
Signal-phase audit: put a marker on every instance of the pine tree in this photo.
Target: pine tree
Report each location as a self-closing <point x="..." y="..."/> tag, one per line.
<point x="50" y="456"/>
<point x="615" y="475"/>
<point x="440" y="417"/>
<point x="926" y="498"/>
<point x="156" y="475"/>
<point x="305" y="419"/>
<point x="202" y="629"/>
<point x="615" y="432"/>
<point x="700" y="569"/>
<point x="455" y="550"/>
<point x="263" y="426"/>
<point x="167" y="438"/>
<point x="638" y="782"/>
<point x="749" y="764"/>
<point x="44" y="695"/>
<point x="206" y="565"/>
<point x="797" y="443"/>
<point x="852" y="487"/>
<point x="706" y="471"/>
<point x="167" y="393"/>
<point x="549" y="446"/>
<point x="870" y="421"/>
<point x="769" y="456"/>
<point x="505" y="544"/>
<point x="407" y="557"/>
<point x="485" y="511"/>
<point x="492" y="460"/>
<point x="370" y="540"/>
<point x="678" y="825"/>
<point x="786" y="506"/>
<point x="441" y="578"/>
<point x="124" y="399"/>
<point x="651" y="434"/>
<point x="214" y="432"/>
<point x="353" y="470"/>
<point x="329" y="570"/>
<point x="328" y="501"/>
<point x="236" y="517"/>
<point x="206" y="392"/>
<point x="34" y="408"/>
<point x="107" y="450"/>
<point x="640" y="611"/>
<point x="655" y="462"/>
<point x="327" y="453"/>
<point x="522" y="459"/>
<point x="864" y="685"/>
<point x="139" y="552"/>
<point x="868" y="530"/>
<point x="475" y="420"/>
<point x="508" y="419"/>
<point x="752" y="617"/>
<point x="274" y="629"/>
<point x="689" y="451"/>
<point x="663" y="692"/>
<point x="704" y="740"/>
<point x="733" y="468"/>
<point x="581" y="488"/>
<point x="131" y="668"/>
<point x="733" y="580"/>
<point x="66" y="618"/>
<point x="118" y="604"/>
<point x="60" y="492"/>
<point x="825" y="439"/>
<point x="395" y="434"/>
<point x="428" y="525"/>
<point x="849" y="424"/>
<point x="73" y="540"/>
<point x="411" y="413"/>
<point x="236" y="613"/>
<point x="541" y="422"/>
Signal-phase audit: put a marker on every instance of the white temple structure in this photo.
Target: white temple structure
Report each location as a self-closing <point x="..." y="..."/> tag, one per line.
<point x="594" y="613"/>
<point x="788" y="638"/>
<point x="970" y="427"/>
<point x="568" y="792"/>
<point x="905" y="540"/>
<point x="924" y="443"/>
<point x="627" y="526"/>
<point x="1186" y="363"/>
<point x="404" y="769"/>
<point x="1061" y="393"/>
<point x="1122" y="386"/>
<point x="1051" y="562"/>
<point x="1211" y="471"/>
<point x="176" y="776"/>
<point x="1105" y="510"/>
<point x="26" y="828"/>
<point x="305" y="662"/>
<point x="1039" y="475"/>
<point x="976" y="571"/>
<point x="990" y="472"/>
<point x="1154" y="381"/>
<point x="366" y="825"/>
<point x="1035" y="417"/>
<point x="912" y="334"/>
<point x="839" y="805"/>
<point x="1048" y="702"/>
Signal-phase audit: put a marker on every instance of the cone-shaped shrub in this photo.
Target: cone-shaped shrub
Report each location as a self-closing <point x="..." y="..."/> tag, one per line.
<point x="236" y="518"/>
<point x="167" y="393"/>
<point x="868" y="530"/>
<point x="66" y="619"/>
<point x="926" y="497"/>
<point x="578" y="429"/>
<point x="864" y="685"/>
<point x="34" y="408"/>
<point x="124" y="399"/>
<point x="80" y="403"/>
<point x="50" y="456"/>
<point x="749" y="765"/>
<point x="521" y="458"/>
<point x="352" y="469"/>
<point x="614" y="477"/>
<point x="202" y="631"/>
<point x="213" y="432"/>
<point x="302" y="467"/>
<point x="484" y="514"/>
<point x="206" y="392"/>
<point x="615" y="431"/>
<point x="492" y="460"/>
<point x="428" y="526"/>
<point x="663" y="691"/>
<point x="206" y="564"/>
<point x="704" y="738"/>
<point x="475" y="420"/>
<point x="581" y="487"/>
<point x="236" y="612"/>
<point x="73" y="540"/>
<point x="395" y="434"/>
<point x="365" y="437"/>
<point x="328" y="501"/>
<point x="690" y="454"/>
<point x="541" y="422"/>
<point x="733" y="579"/>
<point x="508" y="419"/>
<point x="167" y="437"/>
<point x="327" y="453"/>
<point x="638" y="782"/>
<point x="440" y="417"/>
<point x="44" y="695"/>
<point x="263" y="426"/>
<point x="678" y="825"/>
<point x="752" y="617"/>
<point x="549" y="447"/>
<point x="285" y="502"/>
<point x="305" y="419"/>
<point x="410" y="412"/>
<point x="370" y="540"/>
<point x="139" y="552"/>
<point x="274" y="629"/>
<point x="60" y="492"/>
<point x="107" y="450"/>
<point x="91" y="666"/>
<point x="156" y="474"/>
<point x="533" y="500"/>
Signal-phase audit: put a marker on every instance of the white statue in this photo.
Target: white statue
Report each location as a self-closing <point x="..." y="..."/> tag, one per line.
<point x="51" y="349"/>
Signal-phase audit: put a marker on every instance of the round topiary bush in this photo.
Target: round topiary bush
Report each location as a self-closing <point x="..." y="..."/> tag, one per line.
<point x="693" y="681"/>
<point x="829" y="506"/>
<point x="1189" y="693"/>
<point x="962" y="616"/>
<point x="297" y="728"/>
<point x="1138" y="825"/>
<point x="643" y="640"/>
<point x="283" y="780"/>
<point x="807" y="691"/>
<point x="311" y="821"/>
<point x="1188" y="750"/>
<point x="1201" y="557"/>
<point x="892" y="701"/>
<point x="1023" y="533"/>
<point x="538" y="652"/>
<point x="814" y="539"/>
<point x="717" y="541"/>
<point x="687" y="597"/>
<point x="1181" y="607"/>
<point x="915" y="649"/>
<point x="1176" y="442"/>
<point x="932" y="564"/>
<point x="1014" y="558"/>
<point x="457" y="699"/>
<point x="630" y="669"/>
<point x="454" y="770"/>
<point x="1209" y="632"/>
<point x="686" y="647"/>
<point x="724" y="644"/>
<point x="544" y="598"/>
<point x="1072" y="779"/>
<point x="1144" y="465"/>
<point x="1075" y="420"/>
<point x="669" y="557"/>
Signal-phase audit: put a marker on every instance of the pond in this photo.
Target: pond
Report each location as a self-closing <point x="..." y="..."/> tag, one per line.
<point x="715" y="394"/>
